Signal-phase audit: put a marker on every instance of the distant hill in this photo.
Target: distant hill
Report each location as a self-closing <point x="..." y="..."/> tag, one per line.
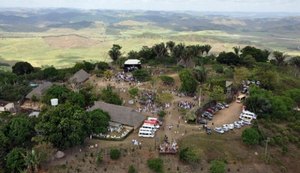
<point x="26" y="20"/>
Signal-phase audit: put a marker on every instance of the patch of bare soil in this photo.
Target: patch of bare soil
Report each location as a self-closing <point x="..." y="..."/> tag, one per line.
<point x="228" y="115"/>
<point x="69" y="41"/>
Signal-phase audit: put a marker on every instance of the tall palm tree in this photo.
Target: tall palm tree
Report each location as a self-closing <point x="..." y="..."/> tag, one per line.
<point x="295" y="61"/>
<point x="115" y="52"/>
<point x="279" y="58"/>
<point x="178" y="51"/>
<point x="160" y="50"/>
<point x="236" y="50"/>
<point x="207" y="48"/>
<point x="170" y="45"/>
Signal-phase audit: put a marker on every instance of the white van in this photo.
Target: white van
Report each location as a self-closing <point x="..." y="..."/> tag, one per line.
<point x="146" y="130"/>
<point x="247" y="116"/>
<point x="240" y="98"/>
<point x="146" y="134"/>
<point x="149" y="126"/>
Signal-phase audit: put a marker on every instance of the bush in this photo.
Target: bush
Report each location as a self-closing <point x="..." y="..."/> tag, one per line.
<point x="218" y="68"/>
<point x="162" y="114"/>
<point x="115" y="154"/>
<point x="217" y="166"/>
<point x="167" y="80"/>
<point x="156" y="165"/>
<point x="108" y="96"/>
<point x="188" y="155"/>
<point x="133" y="92"/>
<point x="99" y="158"/>
<point x="141" y="75"/>
<point x="250" y="136"/>
<point x="132" y="169"/>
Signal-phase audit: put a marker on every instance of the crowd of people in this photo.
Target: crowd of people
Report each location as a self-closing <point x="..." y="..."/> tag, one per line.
<point x="121" y="76"/>
<point x="167" y="147"/>
<point x="186" y="104"/>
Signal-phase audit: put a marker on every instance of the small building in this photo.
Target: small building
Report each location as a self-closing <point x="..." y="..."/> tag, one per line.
<point x="120" y="114"/>
<point x="131" y="65"/>
<point x="39" y="91"/>
<point x="7" y="107"/>
<point x="79" y="77"/>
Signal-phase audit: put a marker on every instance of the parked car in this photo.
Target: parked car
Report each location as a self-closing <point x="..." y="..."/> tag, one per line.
<point x="226" y="105"/>
<point x="225" y="127"/>
<point x="246" y="122"/>
<point x="220" y="106"/>
<point x="237" y="126"/>
<point x="210" y="110"/>
<point x="230" y="126"/>
<point x="219" y="130"/>
<point x="208" y="130"/>
<point x="202" y="121"/>
<point x="215" y="108"/>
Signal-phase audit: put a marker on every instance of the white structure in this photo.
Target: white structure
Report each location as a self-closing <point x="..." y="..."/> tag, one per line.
<point x="132" y="64"/>
<point x="247" y="116"/>
<point x="54" y="102"/>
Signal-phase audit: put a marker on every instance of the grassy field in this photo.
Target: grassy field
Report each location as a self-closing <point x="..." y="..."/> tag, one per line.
<point x="69" y="46"/>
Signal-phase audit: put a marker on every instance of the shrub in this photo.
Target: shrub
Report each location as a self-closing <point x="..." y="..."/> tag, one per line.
<point x="250" y="136"/>
<point x="99" y="158"/>
<point x="132" y="169"/>
<point x="218" y="68"/>
<point x="141" y="75"/>
<point x="156" y="165"/>
<point x="108" y="96"/>
<point x="188" y="155"/>
<point x="133" y="92"/>
<point x="115" y="154"/>
<point x="162" y="114"/>
<point x="217" y="166"/>
<point x="167" y="80"/>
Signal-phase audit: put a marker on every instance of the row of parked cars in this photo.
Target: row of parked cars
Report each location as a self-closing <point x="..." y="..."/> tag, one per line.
<point x="209" y="113"/>
<point x="226" y="127"/>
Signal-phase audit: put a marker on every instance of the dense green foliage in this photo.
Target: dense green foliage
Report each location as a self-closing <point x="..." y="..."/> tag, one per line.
<point x="188" y="82"/>
<point x="99" y="121"/>
<point x="167" y="80"/>
<point x="15" y="162"/>
<point x="109" y="96"/>
<point x="217" y="166"/>
<point x="188" y="155"/>
<point x="21" y="68"/>
<point x="132" y="169"/>
<point x="258" y="54"/>
<point x="228" y="58"/>
<point x="133" y="92"/>
<point x="115" y="52"/>
<point x="250" y="136"/>
<point x="156" y="165"/>
<point x="115" y="154"/>
<point x="141" y="75"/>
<point x="64" y="126"/>
<point x="57" y="91"/>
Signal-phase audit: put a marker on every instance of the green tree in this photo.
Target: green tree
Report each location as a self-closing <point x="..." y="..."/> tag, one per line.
<point x="103" y="66"/>
<point x="160" y="50"/>
<point x="295" y="62"/>
<point x="21" y="68"/>
<point x="99" y="121"/>
<point x="167" y="80"/>
<point x="109" y="96"/>
<point x="258" y="54"/>
<point x="200" y="73"/>
<point x="32" y="161"/>
<point x="250" y="136"/>
<point x="50" y="73"/>
<point x="20" y="130"/>
<point x="133" y="92"/>
<point x="64" y="126"/>
<point x="76" y="98"/>
<point x="4" y="142"/>
<point x="188" y="155"/>
<point x="115" y="154"/>
<point x="132" y="169"/>
<point x="248" y="61"/>
<point x="115" y="52"/>
<point x="133" y="55"/>
<point x="188" y="82"/>
<point x="228" y="58"/>
<point x="217" y="166"/>
<point x="141" y="75"/>
<point x="207" y="48"/>
<point x="56" y="91"/>
<point x="15" y="162"/>
<point x="170" y="45"/>
<point x="279" y="58"/>
<point x="237" y="50"/>
<point x="217" y="93"/>
<point x="156" y="165"/>
<point x="178" y="51"/>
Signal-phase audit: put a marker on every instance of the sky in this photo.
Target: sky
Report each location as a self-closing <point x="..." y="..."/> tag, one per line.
<point x="165" y="5"/>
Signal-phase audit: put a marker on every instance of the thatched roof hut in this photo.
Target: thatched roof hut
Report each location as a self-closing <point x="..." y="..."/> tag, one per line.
<point x="79" y="77"/>
<point x="39" y="91"/>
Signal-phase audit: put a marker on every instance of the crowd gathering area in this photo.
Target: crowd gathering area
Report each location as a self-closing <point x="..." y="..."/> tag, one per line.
<point x="131" y="110"/>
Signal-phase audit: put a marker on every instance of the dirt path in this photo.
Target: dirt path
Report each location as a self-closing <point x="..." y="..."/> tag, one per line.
<point x="228" y="115"/>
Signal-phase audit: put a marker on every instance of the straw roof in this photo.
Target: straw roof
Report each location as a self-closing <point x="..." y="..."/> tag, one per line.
<point x="120" y="114"/>
<point x="38" y="91"/>
<point x="80" y="76"/>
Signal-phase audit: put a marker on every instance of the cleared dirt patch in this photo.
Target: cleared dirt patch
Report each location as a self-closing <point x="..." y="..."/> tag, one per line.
<point x="69" y="41"/>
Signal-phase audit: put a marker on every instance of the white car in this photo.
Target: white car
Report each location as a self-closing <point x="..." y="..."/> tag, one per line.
<point x="219" y="130"/>
<point x="230" y="126"/>
<point x="225" y="127"/>
<point x="240" y="123"/>
<point x="246" y="122"/>
<point x="237" y="125"/>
